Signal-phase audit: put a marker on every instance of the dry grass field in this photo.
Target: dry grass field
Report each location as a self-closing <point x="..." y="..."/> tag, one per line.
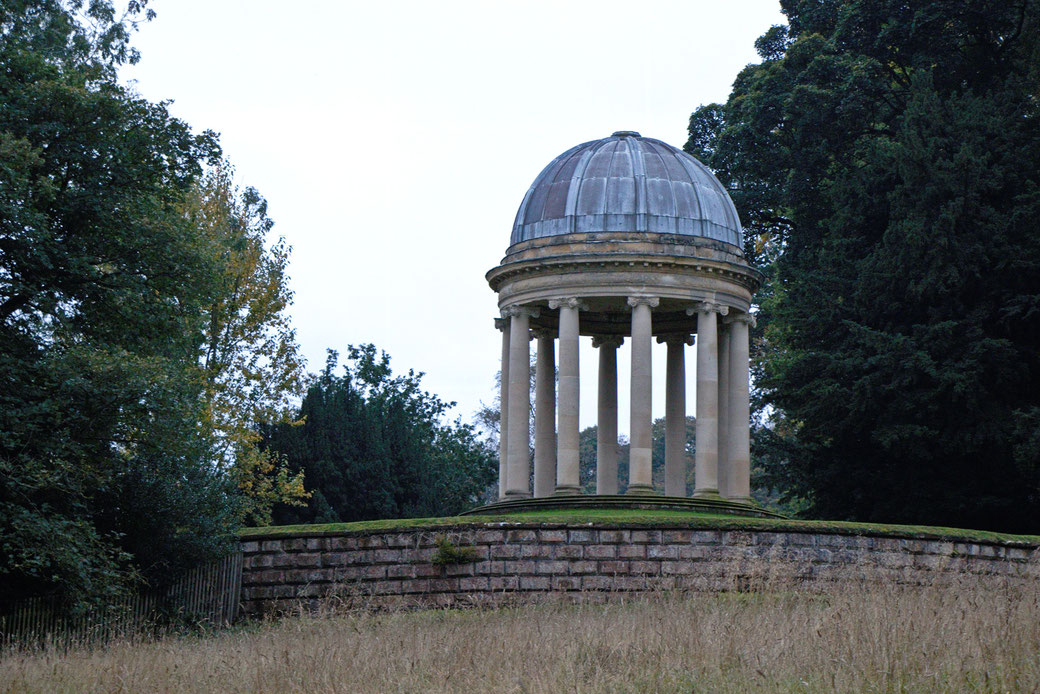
<point x="852" y="639"/>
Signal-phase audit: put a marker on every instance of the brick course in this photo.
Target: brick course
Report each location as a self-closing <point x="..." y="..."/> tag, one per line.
<point x="530" y="559"/>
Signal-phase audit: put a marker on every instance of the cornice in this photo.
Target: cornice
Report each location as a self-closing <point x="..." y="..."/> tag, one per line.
<point x="744" y="275"/>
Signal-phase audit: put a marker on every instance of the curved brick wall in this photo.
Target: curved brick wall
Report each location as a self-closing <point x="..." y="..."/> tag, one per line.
<point x="526" y="561"/>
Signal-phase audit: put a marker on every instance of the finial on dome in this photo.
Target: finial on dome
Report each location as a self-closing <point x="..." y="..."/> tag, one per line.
<point x="626" y="133"/>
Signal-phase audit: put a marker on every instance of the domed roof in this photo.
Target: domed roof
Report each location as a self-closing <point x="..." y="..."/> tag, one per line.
<point x="626" y="183"/>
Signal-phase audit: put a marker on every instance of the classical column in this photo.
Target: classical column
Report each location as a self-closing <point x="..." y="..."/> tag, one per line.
<point x="706" y="459"/>
<point x="738" y="433"/>
<point x="503" y="407"/>
<point x="518" y="473"/>
<point x="675" y="414"/>
<point x="640" y="472"/>
<point x="545" y="414"/>
<point x="725" y="478"/>
<point x="567" y="467"/>
<point x="606" y="426"/>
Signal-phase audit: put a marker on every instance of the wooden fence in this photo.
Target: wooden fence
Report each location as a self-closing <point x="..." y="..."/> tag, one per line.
<point x="208" y="594"/>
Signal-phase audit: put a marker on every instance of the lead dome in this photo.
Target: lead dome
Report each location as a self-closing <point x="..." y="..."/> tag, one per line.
<point x="627" y="183"/>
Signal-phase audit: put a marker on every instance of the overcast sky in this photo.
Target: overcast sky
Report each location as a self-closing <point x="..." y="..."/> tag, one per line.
<point x="394" y="142"/>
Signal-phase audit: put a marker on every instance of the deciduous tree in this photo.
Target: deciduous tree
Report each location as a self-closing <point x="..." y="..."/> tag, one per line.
<point x="103" y="287"/>
<point x="250" y="355"/>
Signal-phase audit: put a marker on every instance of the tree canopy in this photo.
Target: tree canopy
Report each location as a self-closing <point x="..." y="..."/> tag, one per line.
<point x="102" y="290"/>
<point x="884" y="157"/>
<point x="587" y="456"/>
<point x="250" y="357"/>
<point x="141" y="317"/>
<point x="372" y="445"/>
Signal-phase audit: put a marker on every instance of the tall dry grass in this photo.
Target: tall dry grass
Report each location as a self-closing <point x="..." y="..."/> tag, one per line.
<point x="959" y="638"/>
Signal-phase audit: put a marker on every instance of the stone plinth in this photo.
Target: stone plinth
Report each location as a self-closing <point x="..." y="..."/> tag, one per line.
<point x="531" y="561"/>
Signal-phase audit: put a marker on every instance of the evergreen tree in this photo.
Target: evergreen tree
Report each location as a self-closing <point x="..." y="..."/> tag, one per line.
<point x="884" y="157"/>
<point x="372" y="445"/>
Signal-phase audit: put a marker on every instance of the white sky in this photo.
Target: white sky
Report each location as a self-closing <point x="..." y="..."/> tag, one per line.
<point x="394" y="142"/>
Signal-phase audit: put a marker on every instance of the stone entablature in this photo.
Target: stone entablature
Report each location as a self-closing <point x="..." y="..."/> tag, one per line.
<point x="530" y="561"/>
<point x="600" y="266"/>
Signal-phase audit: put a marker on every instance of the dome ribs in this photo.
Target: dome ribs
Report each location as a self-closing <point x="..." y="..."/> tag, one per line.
<point x="627" y="183"/>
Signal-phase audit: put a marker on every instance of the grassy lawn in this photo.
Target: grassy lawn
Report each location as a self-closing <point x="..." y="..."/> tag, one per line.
<point x="649" y="519"/>
<point x="857" y="638"/>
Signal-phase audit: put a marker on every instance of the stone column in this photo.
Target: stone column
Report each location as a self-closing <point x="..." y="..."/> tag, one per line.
<point x="706" y="459"/>
<point x="518" y="473"/>
<point x="640" y="472"/>
<point x="567" y="467"/>
<point x="738" y="433"/>
<point x="606" y="427"/>
<point x="675" y="414"/>
<point x="503" y="407"/>
<point x="545" y="414"/>
<point x="725" y="477"/>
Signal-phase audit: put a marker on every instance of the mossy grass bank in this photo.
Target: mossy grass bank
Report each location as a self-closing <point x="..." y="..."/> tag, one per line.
<point x="643" y="518"/>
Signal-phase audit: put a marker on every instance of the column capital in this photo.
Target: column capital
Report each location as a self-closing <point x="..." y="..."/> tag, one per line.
<point x="651" y="301"/>
<point x="613" y="341"/>
<point x="529" y="311"/>
<point x="670" y="338"/>
<point x="543" y="332"/>
<point x="501" y="323"/>
<point x="745" y="318"/>
<point x="568" y="303"/>
<point x="707" y="307"/>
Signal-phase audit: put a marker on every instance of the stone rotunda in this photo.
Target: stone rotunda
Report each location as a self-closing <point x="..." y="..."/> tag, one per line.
<point x="625" y="238"/>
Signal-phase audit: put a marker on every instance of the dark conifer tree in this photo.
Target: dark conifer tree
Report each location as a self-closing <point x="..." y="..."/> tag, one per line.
<point x="372" y="445"/>
<point x="885" y="157"/>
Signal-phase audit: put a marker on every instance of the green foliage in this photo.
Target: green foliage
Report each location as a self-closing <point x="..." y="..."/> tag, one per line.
<point x="372" y="445"/>
<point x="587" y="456"/>
<point x="884" y="157"/>
<point x="250" y="355"/>
<point x="450" y="553"/>
<point x="103" y="288"/>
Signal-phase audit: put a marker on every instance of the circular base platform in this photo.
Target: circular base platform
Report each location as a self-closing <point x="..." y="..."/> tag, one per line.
<point x="625" y="501"/>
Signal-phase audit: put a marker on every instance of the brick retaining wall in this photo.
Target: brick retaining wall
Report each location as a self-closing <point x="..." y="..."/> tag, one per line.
<point x="530" y="561"/>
